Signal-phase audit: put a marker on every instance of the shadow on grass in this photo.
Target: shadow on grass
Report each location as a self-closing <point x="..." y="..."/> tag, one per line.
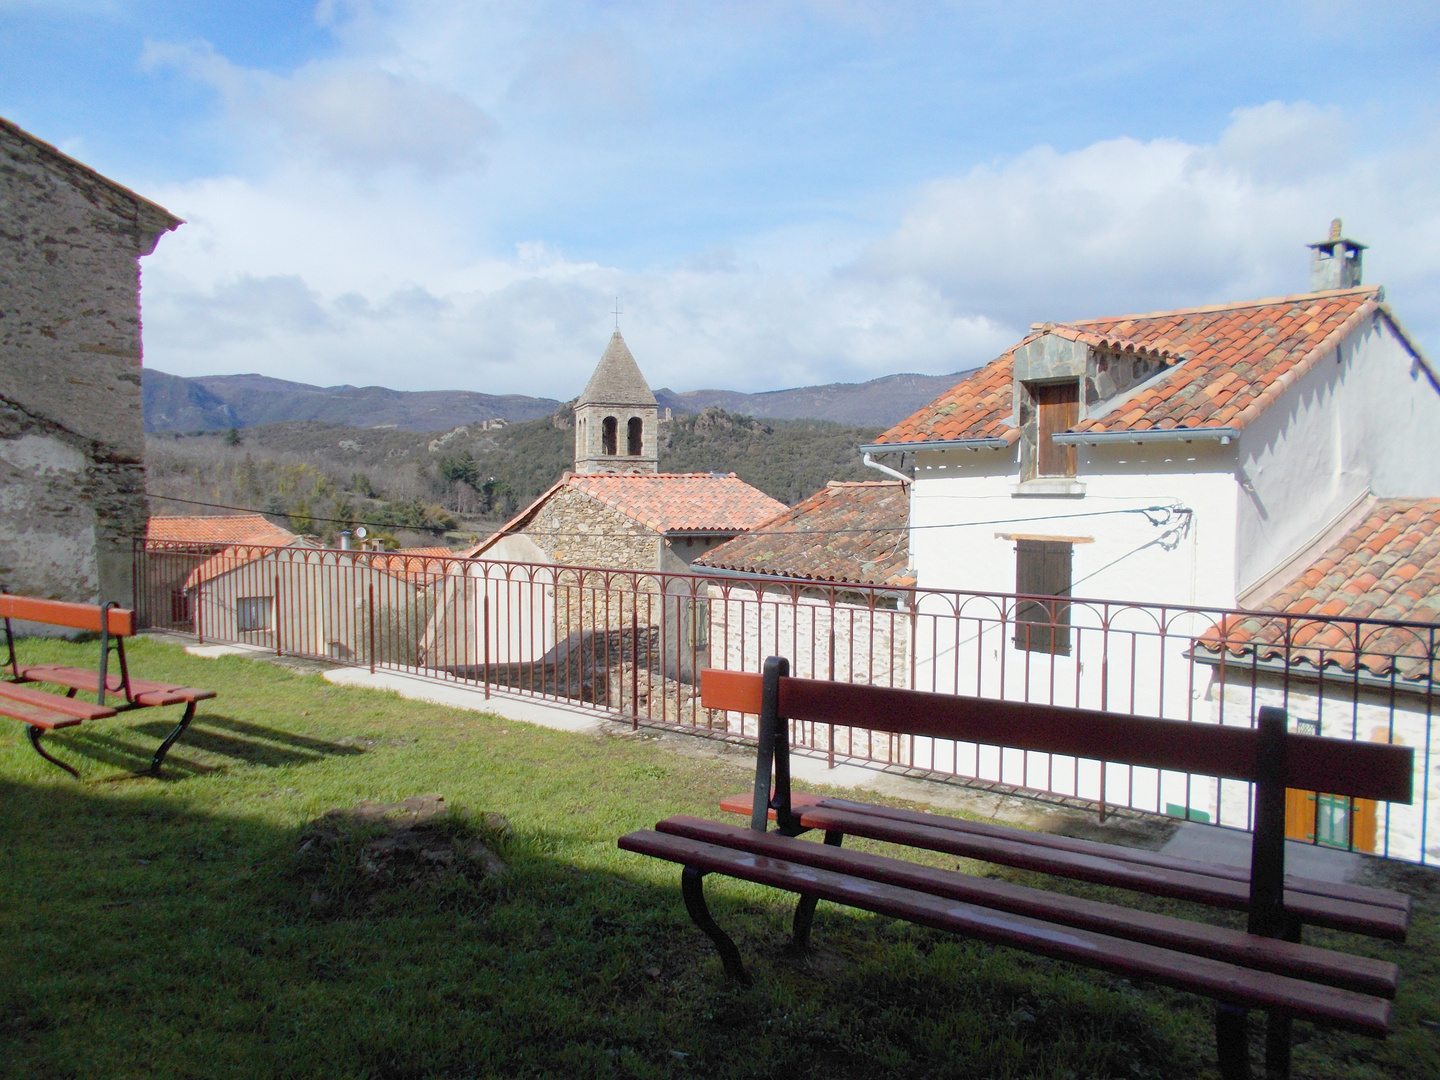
<point x="231" y="741"/>
<point x="149" y="938"/>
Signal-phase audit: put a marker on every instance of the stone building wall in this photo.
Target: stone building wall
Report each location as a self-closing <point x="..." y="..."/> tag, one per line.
<point x="576" y="530"/>
<point x="72" y="435"/>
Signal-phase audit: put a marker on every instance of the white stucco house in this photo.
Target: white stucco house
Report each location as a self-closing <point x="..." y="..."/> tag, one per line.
<point x="1197" y="458"/>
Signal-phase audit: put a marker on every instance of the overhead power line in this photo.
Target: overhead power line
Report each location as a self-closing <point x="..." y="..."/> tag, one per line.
<point x="1157" y="515"/>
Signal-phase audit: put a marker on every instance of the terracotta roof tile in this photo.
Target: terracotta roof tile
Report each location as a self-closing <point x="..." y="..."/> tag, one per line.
<point x="845" y="532"/>
<point x="682" y="502"/>
<point x="1360" y="577"/>
<point x="1252" y="351"/>
<point x="664" y="502"/>
<point x="230" y="529"/>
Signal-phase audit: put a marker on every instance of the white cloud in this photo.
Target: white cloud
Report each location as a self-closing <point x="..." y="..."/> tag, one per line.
<point x="1124" y="225"/>
<point x="355" y="117"/>
<point x="306" y="274"/>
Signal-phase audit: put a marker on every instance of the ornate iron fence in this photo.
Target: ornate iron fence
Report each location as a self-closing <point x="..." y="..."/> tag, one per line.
<point x="632" y="644"/>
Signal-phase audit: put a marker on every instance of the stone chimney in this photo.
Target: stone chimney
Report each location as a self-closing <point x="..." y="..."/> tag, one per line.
<point x="1335" y="263"/>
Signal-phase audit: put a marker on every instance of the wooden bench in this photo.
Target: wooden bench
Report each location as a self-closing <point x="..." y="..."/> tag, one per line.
<point x="1265" y="967"/>
<point x="42" y="711"/>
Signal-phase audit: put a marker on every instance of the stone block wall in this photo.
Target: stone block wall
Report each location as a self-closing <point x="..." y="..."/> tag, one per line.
<point x="72" y="435"/>
<point x="576" y="530"/>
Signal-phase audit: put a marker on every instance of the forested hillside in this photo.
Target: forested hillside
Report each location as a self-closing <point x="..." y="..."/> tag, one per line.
<point x="413" y="487"/>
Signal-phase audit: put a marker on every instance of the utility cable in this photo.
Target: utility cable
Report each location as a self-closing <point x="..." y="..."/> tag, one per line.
<point x="1157" y="515"/>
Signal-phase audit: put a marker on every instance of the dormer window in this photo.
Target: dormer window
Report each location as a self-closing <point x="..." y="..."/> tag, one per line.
<point x="608" y="430"/>
<point x="634" y="441"/>
<point x="1054" y="407"/>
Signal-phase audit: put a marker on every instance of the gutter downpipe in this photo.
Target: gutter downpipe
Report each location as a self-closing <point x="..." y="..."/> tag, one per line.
<point x="896" y="473"/>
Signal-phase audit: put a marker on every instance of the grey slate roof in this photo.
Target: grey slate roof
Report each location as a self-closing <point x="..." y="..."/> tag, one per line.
<point x="617" y="379"/>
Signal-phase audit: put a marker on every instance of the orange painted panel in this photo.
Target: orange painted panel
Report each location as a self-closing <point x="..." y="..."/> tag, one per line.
<point x="63" y="613"/>
<point x="737" y="691"/>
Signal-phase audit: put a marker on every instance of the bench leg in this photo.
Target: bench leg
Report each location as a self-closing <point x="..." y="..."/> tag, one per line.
<point x="35" y="733"/>
<point x="692" y="887"/>
<point x="1232" y="1042"/>
<point x="1278" y="1025"/>
<point x="805" y="909"/>
<point x="170" y="739"/>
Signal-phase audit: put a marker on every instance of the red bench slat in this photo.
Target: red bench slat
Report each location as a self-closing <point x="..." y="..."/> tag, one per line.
<point x="150" y="694"/>
<point x="79" y="710"/>
<point x="1361" y="974"/>
<point x="63" y="613"/>
<point x="1377" y="771"/>
<point x="1360" y="894"/>
<point x="1382" y="922"/>
<point x="1212" y="978"/>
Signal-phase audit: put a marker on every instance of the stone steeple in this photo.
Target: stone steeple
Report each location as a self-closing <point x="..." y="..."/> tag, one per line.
<point x="617" y="417"/>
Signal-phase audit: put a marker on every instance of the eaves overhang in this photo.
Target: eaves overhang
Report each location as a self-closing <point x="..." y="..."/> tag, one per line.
<point x="795" y="580"/>
<point x="1222" y="435"/>
<point x="941" y="444"/>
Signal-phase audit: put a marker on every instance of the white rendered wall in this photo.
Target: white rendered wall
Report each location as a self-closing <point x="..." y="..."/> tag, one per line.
<point x="1365" y="420"/>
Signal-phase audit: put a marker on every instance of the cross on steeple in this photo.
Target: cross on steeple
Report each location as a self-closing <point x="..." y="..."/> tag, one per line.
<point x="617" y="313"/>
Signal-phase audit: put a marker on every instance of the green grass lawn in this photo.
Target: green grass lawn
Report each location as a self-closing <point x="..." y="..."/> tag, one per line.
<point x="158" y="927"/>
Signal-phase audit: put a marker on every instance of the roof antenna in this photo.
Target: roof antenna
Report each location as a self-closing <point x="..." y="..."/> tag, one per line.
<point x="617" y="313"/>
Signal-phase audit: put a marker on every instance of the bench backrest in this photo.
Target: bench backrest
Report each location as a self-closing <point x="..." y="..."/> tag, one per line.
<point x="62" y="613"/>
<point x="1335" y="766"/>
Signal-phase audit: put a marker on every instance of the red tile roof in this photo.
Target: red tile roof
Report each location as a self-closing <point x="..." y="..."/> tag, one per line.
<point x="682" y="502"/>
<point x="845" y="532"/>
<point x="231" y="529"/>
<point x="1227" y="363"/>
<point x="1385" y="568"/>
<point x="414" y="564"/>
<point x="664" y="502"/>
<point x="420" y="563"/>
<point x="235" y="556"/>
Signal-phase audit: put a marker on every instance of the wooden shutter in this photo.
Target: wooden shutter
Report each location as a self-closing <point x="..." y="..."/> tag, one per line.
<point x="1058" y="408"/>
<point x="1042" y="568"/>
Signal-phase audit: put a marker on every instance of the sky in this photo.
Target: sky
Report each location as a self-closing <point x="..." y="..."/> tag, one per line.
<point x="441" y="194"/>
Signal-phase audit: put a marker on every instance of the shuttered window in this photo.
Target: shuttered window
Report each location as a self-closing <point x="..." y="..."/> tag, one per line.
<point x="1042" y="568"/>
<point x="253" y="613"/>
<point x="1057" y="408"/>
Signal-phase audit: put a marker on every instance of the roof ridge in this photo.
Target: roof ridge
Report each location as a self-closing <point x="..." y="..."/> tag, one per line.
<point x="65" y="159"/>
<point x="655" y="476"/>
<point x="1235" y="305"/>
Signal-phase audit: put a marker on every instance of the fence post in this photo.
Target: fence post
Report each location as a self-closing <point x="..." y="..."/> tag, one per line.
<point x="634" y="662"/>
<point x="199" y="614"/>
<point x="830" y="748"/>
<point x="485" y="635"/>
<point x="278" y="619"/>
<point x="371" y="621"/>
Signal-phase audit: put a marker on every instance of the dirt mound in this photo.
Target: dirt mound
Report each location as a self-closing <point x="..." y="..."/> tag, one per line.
<point x="416" y="851"/>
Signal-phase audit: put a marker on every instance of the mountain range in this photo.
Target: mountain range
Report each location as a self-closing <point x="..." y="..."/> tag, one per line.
<point x="218" y="402"/>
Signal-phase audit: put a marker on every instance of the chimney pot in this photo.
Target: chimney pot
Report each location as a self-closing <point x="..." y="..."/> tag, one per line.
<point x="1335" y="262"/>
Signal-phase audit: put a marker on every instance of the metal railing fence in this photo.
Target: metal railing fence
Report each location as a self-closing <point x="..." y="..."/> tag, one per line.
<point x="632" y="644"/>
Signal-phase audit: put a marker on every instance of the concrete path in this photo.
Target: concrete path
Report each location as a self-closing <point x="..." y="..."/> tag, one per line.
<point x="1231" y="847"/>
<point x="528" y="710"/>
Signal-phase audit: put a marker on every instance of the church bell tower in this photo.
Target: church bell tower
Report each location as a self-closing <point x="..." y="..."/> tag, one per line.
<point x="617" y="419"/>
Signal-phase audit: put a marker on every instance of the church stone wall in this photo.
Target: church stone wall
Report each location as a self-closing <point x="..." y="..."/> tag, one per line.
<point x="574" y="529"/>
<point x="72" y="435"/>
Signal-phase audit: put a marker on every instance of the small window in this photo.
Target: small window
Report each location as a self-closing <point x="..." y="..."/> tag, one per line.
<point x="607" y="436"/>
<point x="253" y="613"/>
<point x="1057" y="409"/>
<point x="633" y="440"/>
<point x="1042" y="568"/>
<point x="700" y="624"/>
